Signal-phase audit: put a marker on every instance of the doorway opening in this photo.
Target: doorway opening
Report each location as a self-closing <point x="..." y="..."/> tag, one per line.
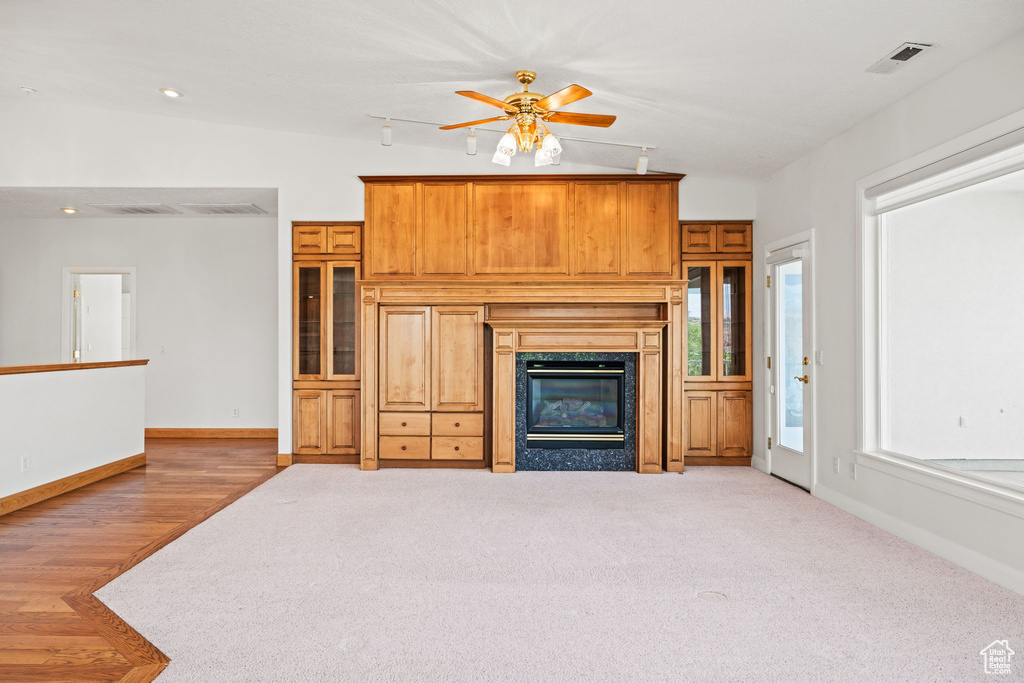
<point x="98" y="314"/>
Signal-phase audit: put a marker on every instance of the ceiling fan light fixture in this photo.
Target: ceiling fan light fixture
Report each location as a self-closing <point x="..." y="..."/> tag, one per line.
<point x="641" y="162"/>
<point x="385" y="133"/>
<point x="471" y="143"/>
<point x="506" y="149"/>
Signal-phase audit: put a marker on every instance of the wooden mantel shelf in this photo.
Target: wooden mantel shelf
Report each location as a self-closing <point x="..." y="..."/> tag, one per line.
<point x="58" y="367"/>
<point x="533" y="177"/>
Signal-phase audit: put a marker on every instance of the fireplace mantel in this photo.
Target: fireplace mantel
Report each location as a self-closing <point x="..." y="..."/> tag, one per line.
<point x="642" y="317"/>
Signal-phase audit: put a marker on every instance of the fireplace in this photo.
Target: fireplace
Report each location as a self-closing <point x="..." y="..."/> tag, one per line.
<point x="575" y="411"/>
<point x="575" y="404"/>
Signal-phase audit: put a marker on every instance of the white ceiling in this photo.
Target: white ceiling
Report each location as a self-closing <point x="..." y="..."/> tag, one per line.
<point x="736" y="88"/>
<point x="47" y="202"/>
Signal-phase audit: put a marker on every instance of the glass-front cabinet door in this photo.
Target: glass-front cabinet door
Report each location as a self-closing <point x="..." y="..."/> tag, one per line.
<point x="700" y="321"/>
<point x="308" y="313"/>
<point x="734" y="291"/>
<point x="343" y="330"/>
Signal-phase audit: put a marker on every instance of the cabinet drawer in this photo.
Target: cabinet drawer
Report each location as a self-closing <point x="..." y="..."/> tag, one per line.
<point x="456" y="448"/>
<point x="458" y="424"/>
<point x="405" y="447"/>
<point x="398" y="424"/>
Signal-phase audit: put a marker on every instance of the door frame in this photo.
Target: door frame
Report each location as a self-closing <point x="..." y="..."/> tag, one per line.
<point x="67" y="290"/>
<point x="810" y="306"/>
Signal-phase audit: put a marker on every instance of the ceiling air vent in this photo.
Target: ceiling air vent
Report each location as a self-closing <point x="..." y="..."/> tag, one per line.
<point x="897" y="58"/>
<point x="137" y="209"/>
<point x="226" y="209"/>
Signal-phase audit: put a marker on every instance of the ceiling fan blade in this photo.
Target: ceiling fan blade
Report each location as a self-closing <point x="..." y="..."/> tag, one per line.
<point x="474" y="123"/>
<point x="600" y="120"/>
<point x="486" y="100"/>
<point x="563" y="97"/>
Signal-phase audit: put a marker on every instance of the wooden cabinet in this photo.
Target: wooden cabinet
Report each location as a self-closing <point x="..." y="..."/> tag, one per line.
<point x="530" y="227"/>
<point x="431" y="371"/>
<point x="326" y="338"/>
<point x="405" y="358"/>
<point x="718" y="425"/>
<point x="457" y="358"/>
<point x="730" y="239"/>
<point x="719" y="363"/>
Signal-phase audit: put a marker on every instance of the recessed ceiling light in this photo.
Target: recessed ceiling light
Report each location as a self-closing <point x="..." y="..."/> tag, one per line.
<point x="171" y="93"/>
<point x="69" y="209"/>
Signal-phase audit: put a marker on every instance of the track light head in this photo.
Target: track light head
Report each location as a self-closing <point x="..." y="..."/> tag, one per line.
<point x="471" y="143"/>
<point x="385" y="133"/>
<point x="641" y="162"/>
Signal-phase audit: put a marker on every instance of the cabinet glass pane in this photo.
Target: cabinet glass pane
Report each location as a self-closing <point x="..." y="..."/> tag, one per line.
<point x="698" y="323"/>
<point x="343" y="285"/>
<point x="309" y="321"/>
<point x="734" y="323"/>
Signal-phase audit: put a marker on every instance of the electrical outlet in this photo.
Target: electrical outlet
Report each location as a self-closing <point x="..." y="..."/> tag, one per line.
<point x="835" y="464"/>
<point x="163" y="348"/>
<point x="963" y="421"/>
<point x="24" y="464"/>
<point x="853" y="470"/>
<point x="234" y="412"/>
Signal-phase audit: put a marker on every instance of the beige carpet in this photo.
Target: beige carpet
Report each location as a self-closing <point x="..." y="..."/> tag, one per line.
<point x="326" y="573"/>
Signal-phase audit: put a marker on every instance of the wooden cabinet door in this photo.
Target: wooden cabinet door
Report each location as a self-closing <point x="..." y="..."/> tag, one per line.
<point x="309" y="239"/>
<point x="700" y="238"/>
<point x="521" y="228"/>
<point x="735" y="438"/>
<point x="404" y="361"/>
<point x="391" y="229"/>
<point x="457" y="348"/>
<point x="308" y="410"/>
<point x="344" y="239"/>
<point x="734" y="238"/>
<point x="343" y="421"/>
<point x="652" y="232"/>
<point x="445" y="220"/>
<point x="701" y="429"/>
<point x="342" y="320"/>
<point x="598" y="229"/>
<point x="309" y="310"/>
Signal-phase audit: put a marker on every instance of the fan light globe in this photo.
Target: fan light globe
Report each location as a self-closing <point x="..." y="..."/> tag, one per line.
<point x="551" y="146"/>
<point x="506" y="148"/>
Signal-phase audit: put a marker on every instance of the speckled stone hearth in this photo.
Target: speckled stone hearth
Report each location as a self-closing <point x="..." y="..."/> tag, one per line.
<point x="552" y="459"/>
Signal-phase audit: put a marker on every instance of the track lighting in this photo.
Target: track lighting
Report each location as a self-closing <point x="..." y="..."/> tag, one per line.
<point x="385" y="133"/>
<point x="641" y="162"/>
<point x="471" y="143"/>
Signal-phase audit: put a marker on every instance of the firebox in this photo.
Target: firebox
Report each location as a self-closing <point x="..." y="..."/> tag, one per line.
<point x="574" y="404"/>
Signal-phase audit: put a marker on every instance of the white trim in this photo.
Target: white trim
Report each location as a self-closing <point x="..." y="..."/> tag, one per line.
<point x="67" y="291"/>
<point x="792" y="248"/>
<point x="1003" y="574"/>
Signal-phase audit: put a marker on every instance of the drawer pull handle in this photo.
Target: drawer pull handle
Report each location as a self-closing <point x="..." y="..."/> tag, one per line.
<point x="456" y="448"/>
<point x="405" y="424"/>
<point x="457" y="424"/>
<point x="403" y="448"/>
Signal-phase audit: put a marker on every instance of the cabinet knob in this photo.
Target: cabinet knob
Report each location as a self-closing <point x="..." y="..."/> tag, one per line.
<point x="456" y="448"/>
<point x="457" y="424"/>
<point x="403" y="448"/>
<point x="405" y="424"/>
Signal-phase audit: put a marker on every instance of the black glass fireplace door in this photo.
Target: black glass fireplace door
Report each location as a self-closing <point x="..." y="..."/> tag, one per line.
<point x="574" y="404"/>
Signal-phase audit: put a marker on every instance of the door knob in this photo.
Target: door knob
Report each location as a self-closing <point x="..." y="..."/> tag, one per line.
<point x="802" y="379"/>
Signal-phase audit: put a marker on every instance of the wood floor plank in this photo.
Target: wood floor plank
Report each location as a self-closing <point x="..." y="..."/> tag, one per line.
<point x="55" y="554"/>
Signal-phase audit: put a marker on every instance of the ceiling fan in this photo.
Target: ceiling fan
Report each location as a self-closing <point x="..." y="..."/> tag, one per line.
<point x="530" y="111"/>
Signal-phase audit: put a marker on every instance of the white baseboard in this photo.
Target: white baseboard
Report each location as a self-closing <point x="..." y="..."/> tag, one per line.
<point x="996" y="572"/>
<point x="759" y="463"/>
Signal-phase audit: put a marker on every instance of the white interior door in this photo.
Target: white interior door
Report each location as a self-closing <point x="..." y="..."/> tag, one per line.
<point x="101" y="311"/>
<point x="790" y="376"/>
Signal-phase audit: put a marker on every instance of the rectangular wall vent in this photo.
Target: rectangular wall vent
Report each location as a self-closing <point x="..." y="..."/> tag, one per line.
<point x="137" y="209"/>
<point x="897" y="58"/>
<point x="226" y="209"/>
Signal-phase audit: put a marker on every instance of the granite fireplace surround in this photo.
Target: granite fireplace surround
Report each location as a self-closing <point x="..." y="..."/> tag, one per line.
<point x="578" y="459"/>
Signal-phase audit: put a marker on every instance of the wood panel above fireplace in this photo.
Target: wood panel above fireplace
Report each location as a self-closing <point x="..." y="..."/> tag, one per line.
<point x="548" y="227"/>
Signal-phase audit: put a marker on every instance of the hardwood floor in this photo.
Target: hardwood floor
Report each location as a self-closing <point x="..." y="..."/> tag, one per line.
<point x="54" y="554"/>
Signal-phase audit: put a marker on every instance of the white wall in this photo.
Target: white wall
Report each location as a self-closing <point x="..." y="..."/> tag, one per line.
<point x="955" y="321"/>
<point x="68" y="422"/>
<point x="48" y="145"/>
<point x="206" y="296"/>
<point x="818" y="192"/>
